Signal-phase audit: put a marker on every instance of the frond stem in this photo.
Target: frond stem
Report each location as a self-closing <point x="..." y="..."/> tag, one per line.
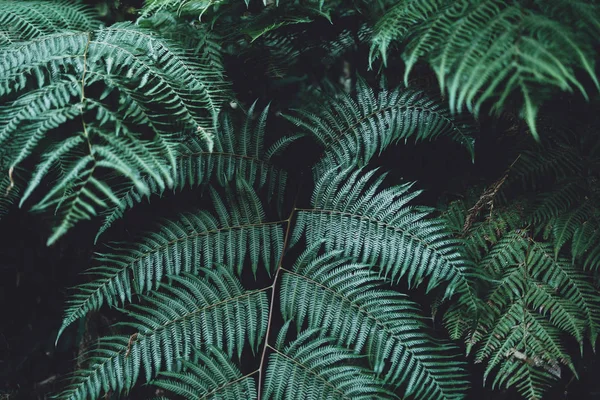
<point x="272" y="300"/>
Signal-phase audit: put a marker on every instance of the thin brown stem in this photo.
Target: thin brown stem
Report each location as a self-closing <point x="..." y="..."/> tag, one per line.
<point x="272" y="301"/>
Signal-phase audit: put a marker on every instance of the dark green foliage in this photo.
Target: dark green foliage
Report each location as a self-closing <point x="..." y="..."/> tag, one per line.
<point x="536" y="289"/>
<point x="310" y="367"/>
<point x="488" y="50"/>
<point x="187" y="313"/>
<point x="254" y="251"/>
<point x="231" y="235"/>
<point x="353" y="131"/>
<point x="348" y="302"/>
<point x="119" y="89"/>
<point x="209" y="373"/>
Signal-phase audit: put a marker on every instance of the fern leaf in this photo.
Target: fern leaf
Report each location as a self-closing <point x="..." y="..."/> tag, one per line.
<point x="211" y="374"/>
<point x="377" y="227"/>
<point x="19" y="23"/>
<point x="567" y="224"/>
<point x="487" y="50"/>
<point x="311" y="368"/>
<point x="148" y="81"/>
<point x="529" y="348"/>
<point x="352" y="131"/>
<point x="231" y="236"/>
<point x="188" y="313"/>
<point x="552" y="286"/>
<point x="347" y="302"/>
<point x="237" y="153"/>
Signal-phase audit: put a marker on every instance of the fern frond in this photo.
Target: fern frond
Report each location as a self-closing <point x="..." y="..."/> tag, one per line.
<point x="377" y="227"/>
<point x="148" y="81"/>
<point x="352" y="131"/>
<point x="311" y="368"/>
<point x="566" y="225"/>
<point x="27" y="19"/>
<point x="234" y="234"/>
<point x="559" y="160"/>
<point x="488" y="50"/>
<point x="186" y="314"/>
<point x="585" y="238"/>
<point x="528" y="350"/>
<point x="209" y="374"/>
<point x="537" y="261"/>
<point x="238" y="152"/>
<point x="347" y="302"/>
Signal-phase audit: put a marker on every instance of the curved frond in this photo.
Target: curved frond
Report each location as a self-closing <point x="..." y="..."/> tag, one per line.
<point x="210" y="374"/>
<point x="51" y="81"/>
<point x="348" y="303"/>
<point x="378" y="227"/>
<point x="234" y="235"/>
<point x="313" y="368"/>
<point x="352" y="131"/>
<point x="491" y="50"/>
<point x="27" y="19"/>
<point x="527" y="350"/>
<point x="238" y="152"/>
<point x="187" y="313"/>
<point x="533" y="299"/>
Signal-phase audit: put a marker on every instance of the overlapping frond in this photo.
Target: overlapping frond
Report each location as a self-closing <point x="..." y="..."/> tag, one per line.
<point x="378" y="227"/>
<point x="187" y="313"/>
<point x="235" y="234"/>
<point x="353" y="130"/>
<point x="199" y="7"/>
<point x="533" y="298"/>
<point x="108" y="86"/>
<point x="564" y="171"/>
<point x="27" y="19"/>
<point x="526" y="351"/>
<point x="238" y="152"/>
<point x="312" y="367"/>
<point x="492" y="50"/>
<point x="210" y="373"/>
<point x="348" y="303"/>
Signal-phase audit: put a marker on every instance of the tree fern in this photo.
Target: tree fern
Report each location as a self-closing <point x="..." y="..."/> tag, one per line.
<point x="309" y="368"/>
<point x="532" y="300"/>
<point x="377" y="227"/>
<point x="488" y="50"/>
<point x="254" y="278"/>
<point x="566" y="209"/>
<point x="20" y="22"/>
<point x="347" y="302"/>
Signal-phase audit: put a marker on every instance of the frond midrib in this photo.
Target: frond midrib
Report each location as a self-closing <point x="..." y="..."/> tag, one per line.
<point x="341" y="133"/>
<point x="386" y="225"/>
<point x="380" y="324"/>
<point x="129" y="265"/>
<point x="141" y="336"/>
